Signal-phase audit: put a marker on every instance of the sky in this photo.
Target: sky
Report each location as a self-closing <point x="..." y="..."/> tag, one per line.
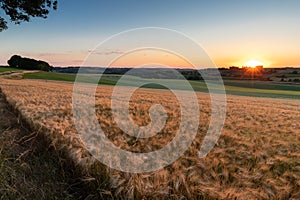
<point x="231" y="32"/>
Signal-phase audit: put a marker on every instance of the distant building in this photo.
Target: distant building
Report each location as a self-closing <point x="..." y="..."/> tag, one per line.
<point x="259" y="68"/>
<point x="222" y="68"/>
<point x="234" y="68"/>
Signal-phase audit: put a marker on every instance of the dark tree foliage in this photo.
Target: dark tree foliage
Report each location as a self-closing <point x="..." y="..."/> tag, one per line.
<point x="28" y="63"/>
<point x="3" y="24"/>
<point x="22" y="10"/>
<point x="191" y="74"/>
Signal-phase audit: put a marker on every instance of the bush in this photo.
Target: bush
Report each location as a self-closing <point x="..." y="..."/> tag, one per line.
<point x="296" y="80"/>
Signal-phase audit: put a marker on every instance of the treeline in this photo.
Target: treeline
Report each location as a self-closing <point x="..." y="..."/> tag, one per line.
<point x="191" y="74"/>
<point x="28" y="63"/>
<point x="159" y="73"/>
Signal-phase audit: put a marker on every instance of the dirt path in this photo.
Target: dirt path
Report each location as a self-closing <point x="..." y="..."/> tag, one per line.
<point x="26" y="172"/>
<point x="15" y="74"/>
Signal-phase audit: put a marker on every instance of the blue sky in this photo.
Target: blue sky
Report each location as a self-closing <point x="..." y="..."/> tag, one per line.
<point x="232" y="31"/>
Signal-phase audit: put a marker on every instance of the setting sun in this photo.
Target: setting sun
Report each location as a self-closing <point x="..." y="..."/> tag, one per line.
<point x="253" y="63"/>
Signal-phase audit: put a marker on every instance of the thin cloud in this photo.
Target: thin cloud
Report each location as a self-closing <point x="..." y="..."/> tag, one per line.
<point x="107" y="52"/>
<point x="52" y="54"/>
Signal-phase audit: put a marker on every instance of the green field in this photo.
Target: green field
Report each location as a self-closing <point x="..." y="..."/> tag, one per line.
<point x="7" y="69"/>
<point x="106" y="79"/>
<point x="291" y="75"/>
<point x="234" y="87"/>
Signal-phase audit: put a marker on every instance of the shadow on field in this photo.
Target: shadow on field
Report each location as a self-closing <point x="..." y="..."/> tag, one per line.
<point x="28" y="168"/>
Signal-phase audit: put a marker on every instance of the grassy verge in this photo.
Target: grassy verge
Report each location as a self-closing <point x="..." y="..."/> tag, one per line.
<point x="268" y="85"/>
<point x="8" y="69"/>
<point x="234" y="87"/>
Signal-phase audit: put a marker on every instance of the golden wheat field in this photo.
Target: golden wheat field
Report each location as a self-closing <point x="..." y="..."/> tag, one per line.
<point x="256" y="157"/>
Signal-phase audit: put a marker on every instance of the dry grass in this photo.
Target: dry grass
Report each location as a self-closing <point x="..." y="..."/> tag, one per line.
<point x="257" y="155"/>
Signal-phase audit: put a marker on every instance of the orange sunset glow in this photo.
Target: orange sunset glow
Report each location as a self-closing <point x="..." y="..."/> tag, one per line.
<point x="151" y="56"/>
<point x="253" y="63"/>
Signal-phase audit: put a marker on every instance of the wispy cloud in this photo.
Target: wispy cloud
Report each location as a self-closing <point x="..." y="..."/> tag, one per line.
<point x="77" y="61"/>
<point x="52" y="54"/>
<point x="45" y="55"/>
<point x="107" y="52"/>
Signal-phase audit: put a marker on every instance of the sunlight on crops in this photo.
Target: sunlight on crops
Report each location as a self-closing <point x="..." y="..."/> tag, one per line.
<point x="257" y="155"/>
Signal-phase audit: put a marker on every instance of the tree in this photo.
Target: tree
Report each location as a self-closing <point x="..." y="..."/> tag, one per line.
<point x="23" y="10"/>
<point x="28" y="63"/>
<point x="44" y="66"/>
<point x="14" y="60"/>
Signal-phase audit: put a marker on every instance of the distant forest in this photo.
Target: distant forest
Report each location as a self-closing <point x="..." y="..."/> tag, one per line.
<point x="162" y="73"/>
